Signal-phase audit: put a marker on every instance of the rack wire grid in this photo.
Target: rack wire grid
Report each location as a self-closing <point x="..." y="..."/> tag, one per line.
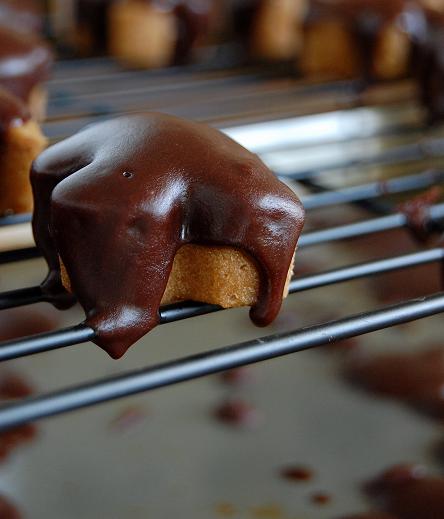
<point x="307" y="132"/>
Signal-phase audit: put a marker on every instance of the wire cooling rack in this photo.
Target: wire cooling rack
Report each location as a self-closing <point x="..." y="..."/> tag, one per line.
<point x="332" y="138"/>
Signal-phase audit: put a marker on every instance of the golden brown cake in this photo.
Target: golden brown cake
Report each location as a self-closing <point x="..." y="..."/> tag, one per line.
<point x="357" y="38"/>
<point x="141" y="34"/>
<point x="146" y="34"/>
<point x="20" y="142"/>
<point x="276" y="32"/>
<point x="149" y="209"/>
<point x="222" y="276"/>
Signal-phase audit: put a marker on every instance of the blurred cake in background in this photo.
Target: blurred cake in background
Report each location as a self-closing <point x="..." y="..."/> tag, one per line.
<point x="25" y="15"/>
<point x="25" y="63"/>
<point x="358" y="38"/>
<point x="20" y="142"/>
<point x="270" y="30"/>
<point x="151" y="34"/>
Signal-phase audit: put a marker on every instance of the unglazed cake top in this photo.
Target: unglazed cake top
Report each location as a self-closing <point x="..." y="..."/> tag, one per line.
<point x="117" y="200"/>
<point x="24" y="61"/>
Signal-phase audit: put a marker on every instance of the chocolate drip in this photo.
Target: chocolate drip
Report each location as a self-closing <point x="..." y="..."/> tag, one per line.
<point x="192" y="21"/>
<point x="12" y="112"/>
<point x="416" y="379"/>
<point x="117" y="200"/>
<point x="24" y="62"/>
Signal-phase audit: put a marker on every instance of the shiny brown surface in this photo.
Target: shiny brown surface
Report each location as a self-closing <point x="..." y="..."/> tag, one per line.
<point x="13" y="111"/>
<point x="24" y="62"/>
<point x="121" y="197"/>
<point x="416" y="379"/>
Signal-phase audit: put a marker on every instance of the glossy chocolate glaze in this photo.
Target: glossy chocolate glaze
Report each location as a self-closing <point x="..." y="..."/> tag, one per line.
<point x="25" y="62"/>
<point x="26" y="15"/>
<point x="8" y="510"/>
<point x="408" y="492"/>
<point x="365" y="19"/>
<point x="415" y="378"/>
<point x="118" y="200"/>
<point x="13" y="111"/>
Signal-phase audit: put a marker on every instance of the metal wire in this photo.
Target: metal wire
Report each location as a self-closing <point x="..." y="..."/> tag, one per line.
<point x="82" y="333"/>
<point x="210" y="362"/>
<point x="75" y="103"/>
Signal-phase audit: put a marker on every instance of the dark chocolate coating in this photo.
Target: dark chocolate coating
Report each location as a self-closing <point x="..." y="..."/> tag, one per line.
<point x="12" y="111"/>
<point x="118" y="199"/>
<point x="25" y="62"/>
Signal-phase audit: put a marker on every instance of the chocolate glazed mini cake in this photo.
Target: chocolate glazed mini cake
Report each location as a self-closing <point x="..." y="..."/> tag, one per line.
<point x="146" y="209"/>
<point x="20" y="143"/>
<point x="358" y="38"/>
<point x="25" y="62"/>
<point x="148" y="33"/>
<point x="271" y="30"/>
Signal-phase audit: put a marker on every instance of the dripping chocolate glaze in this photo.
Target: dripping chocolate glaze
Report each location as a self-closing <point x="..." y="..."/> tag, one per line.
<point x="25" y="62"/>
<point x="118" y="199"/>
<point x="13" y="112"/>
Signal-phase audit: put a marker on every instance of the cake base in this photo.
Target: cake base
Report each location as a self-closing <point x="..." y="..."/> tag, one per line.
<point x="222" y="276"/>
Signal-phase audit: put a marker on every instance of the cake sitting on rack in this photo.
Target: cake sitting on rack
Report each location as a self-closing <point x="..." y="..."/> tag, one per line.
<point x="25" y="62"/>
<point x="148" y="34"/>
<point x="369" y="39"/>
<point x="271" y="30"/>
<point x="149" y="209"/>
<point x="20" y="143"/>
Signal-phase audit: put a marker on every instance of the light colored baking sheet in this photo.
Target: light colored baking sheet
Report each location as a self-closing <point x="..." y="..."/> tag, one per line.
<point x="176" y="461"/>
